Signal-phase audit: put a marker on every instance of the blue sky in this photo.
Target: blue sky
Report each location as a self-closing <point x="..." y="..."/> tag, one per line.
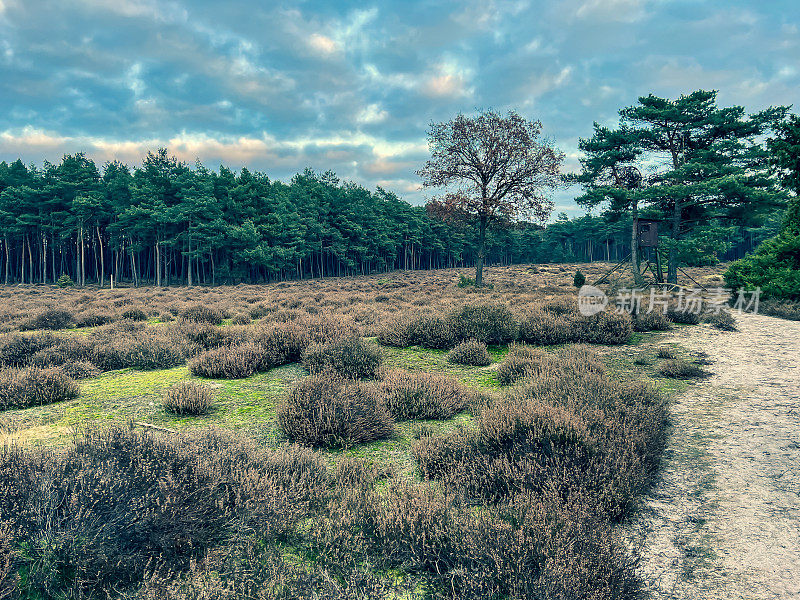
<point x="351" y="87"/>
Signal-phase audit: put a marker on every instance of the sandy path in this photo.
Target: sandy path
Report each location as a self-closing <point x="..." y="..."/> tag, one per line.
<point x="724" y="523"/>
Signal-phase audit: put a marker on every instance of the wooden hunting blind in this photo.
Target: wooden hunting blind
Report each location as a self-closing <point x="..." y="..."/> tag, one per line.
<point x="647" y="233"/>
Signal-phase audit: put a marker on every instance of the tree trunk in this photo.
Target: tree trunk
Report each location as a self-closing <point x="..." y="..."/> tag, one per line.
<point x="102" y="258"/>
<point x="637" y="275"/>
<point x="189" y="258"/>
<point x="481" y="251"/>
<point x="158" y="265"/>
<point x="30" y="259"/>
<point x="83" y="259"/>
<point x="6" y="274"/>
<point x="672" y="264"/>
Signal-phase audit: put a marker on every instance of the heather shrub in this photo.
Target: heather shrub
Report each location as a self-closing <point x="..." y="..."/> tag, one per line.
<point x="350" y="357"/>
<point x="527" y="362"/>
<point x="651" y="321"/>
<point x="686" y="317"/>
<point x="92" y="319"/>
<point x="166" y="317"/>
<point x="666" y="352"/>
<point x="49" y="319"/>
<point x="285" y="341"/>
<point x="423" y="396"/>
<point x="544" y="328"/>
<point x="204" y="335"/>
<point x="680" y="369"/>
<point x="491" y="324"/>
<point x="146" y="502"/>
<point x="603" y="328"/>
<point x="783" y="309"/>
<point x="188" y="398"/>
<point x="231" y="362"/>
<point x="470" y="352"/>
<point x="432" y="331"/>
<point x="80" y="370"/>
<point x="722" y="320"/>
<point x="202" y="314"/>
<point x="20" y="388"/>
<point x="134" y="314"/>
<point x="329" y="410"/>
<point x="241" y="319"/>
<point x="139" y="348"/>
<point x="396" y="333"/>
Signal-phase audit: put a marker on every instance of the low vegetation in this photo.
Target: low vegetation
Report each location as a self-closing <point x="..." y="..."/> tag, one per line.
<point x="415" y="470"/>
<point x="188" y="398"/>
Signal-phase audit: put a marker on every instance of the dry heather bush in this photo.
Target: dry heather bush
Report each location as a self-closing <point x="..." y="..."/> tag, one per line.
<point x="651" y="321"/>
<point x="93" y="517"/>
<point x="582" y="432"/>
<point x="204" y="335"/>
<point x="20" y="388"/>
<point x="686" y="317"/>
<point x="424" y="396"/>
<point x="666" y="352"/>
<point x="241" y="319"/>
<point x="188" y="398"/>
<point x="49" y="319"/>
<point x="543" y="328"/>
<point x="432" y="331"/>
<point x="550" y="327"/>
<point x="470" y="352"/>
<point x="350" y="357"/>
<point x="680" y="369"/>
<point x="524" y="361"/>
<point x="488" y="323"/>
<point x="331" y="411"/>
<point x="123" y="345"/>
<point x="232" y="362"/>
<point x="93" y="319"/>
<point x="722" y="320"/>
<point x="397" y="332"/>
<point x="134" y="314"/>
<point x="80" y="370"/>
<point x="783" y="309"/>
<point x="202" y="314"/>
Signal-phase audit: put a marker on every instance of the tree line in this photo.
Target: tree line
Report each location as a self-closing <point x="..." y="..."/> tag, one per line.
<point x="168" y="223"/>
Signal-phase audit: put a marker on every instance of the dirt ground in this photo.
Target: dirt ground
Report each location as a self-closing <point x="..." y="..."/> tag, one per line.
<point x="724" y="522"/>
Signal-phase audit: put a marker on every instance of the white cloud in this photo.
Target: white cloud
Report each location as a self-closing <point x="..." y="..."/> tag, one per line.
<point x="372" y="113"/>
<point x="625" y="11"/>
<point x="323" y="45"/>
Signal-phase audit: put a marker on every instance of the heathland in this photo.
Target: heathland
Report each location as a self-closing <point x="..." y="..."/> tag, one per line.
<point x="388" y="436"/>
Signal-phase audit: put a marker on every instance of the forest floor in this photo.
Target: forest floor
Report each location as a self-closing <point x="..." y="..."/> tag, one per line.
<point x="724" y="522"/>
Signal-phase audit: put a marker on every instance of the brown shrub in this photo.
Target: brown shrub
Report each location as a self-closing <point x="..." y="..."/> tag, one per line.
<point x="396" y="333"/>
<point x="232" y="362"/>
<point x="680" y="369"/>
<point x="198" y="313"/>
<point x="134" y="314"/>
<point x="329" y="410"/>
<point x="722" y="320"/>
<point x="488" y="323"/>
<point x="470" y="352"/>
<point x="350" y="357"/>
<point x="188" y="398"/>
<point x="423" y="396"/>
<point x="432" y="331"/>
<point x="20" y="388"/>
<point x="53" y="318"/>
<point x="80" y="370"/>
<point x="141" y="496"/>
<point x="241" y="319"/>
<point x="651" y="321"/>
<point x="543" y="328"/>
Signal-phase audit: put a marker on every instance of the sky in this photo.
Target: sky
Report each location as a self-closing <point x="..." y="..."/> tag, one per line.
<point x="352" y="87"/>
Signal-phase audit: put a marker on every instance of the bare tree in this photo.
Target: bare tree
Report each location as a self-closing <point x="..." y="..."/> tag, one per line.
<point x="492" y="169"/>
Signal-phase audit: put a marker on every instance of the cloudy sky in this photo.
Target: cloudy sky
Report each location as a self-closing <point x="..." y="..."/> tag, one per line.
<point x="351" y="87"/>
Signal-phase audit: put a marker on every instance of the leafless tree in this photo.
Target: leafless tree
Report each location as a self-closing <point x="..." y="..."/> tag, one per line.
<point x="492" y="169"/>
